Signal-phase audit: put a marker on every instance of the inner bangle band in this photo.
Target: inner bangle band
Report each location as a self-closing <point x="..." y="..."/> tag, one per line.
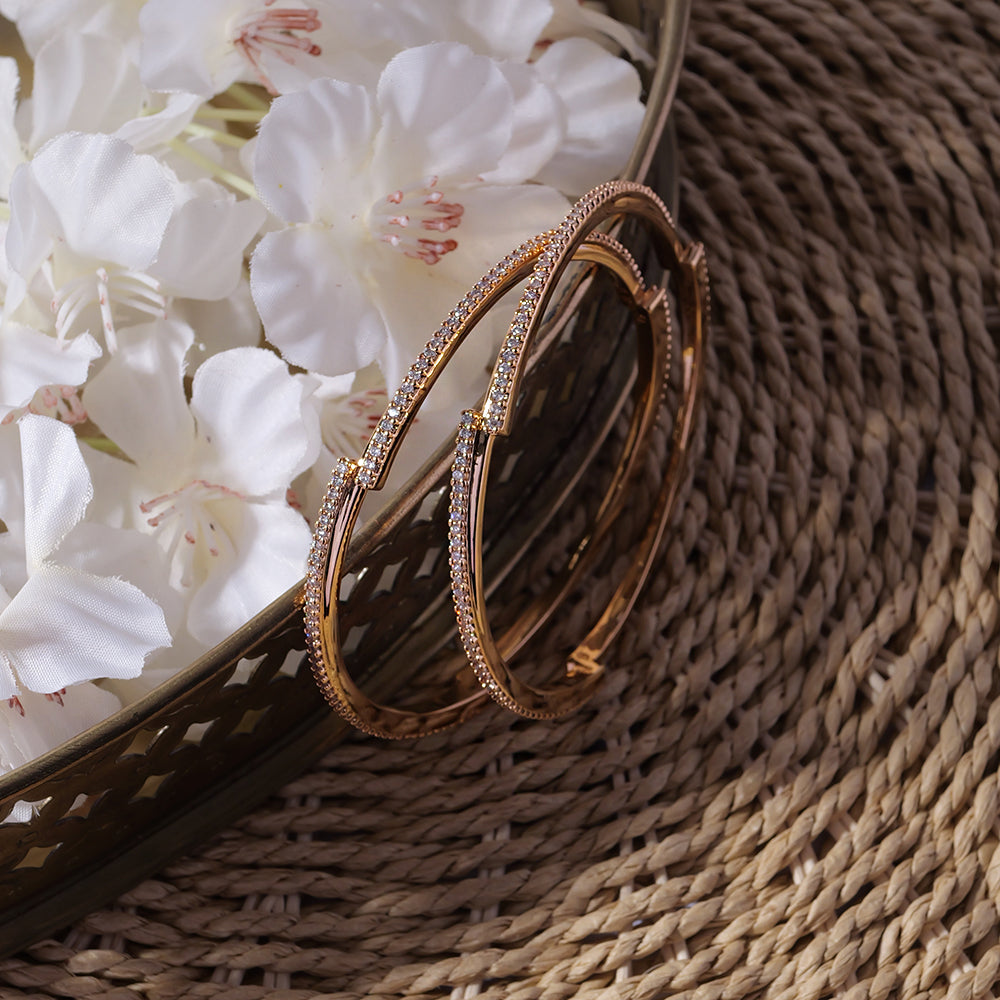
<point x="351" y="481"/>
<point x="479" y="430"/>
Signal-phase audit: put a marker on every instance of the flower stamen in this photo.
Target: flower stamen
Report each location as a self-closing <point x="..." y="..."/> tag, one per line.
<point x="347" y="422"/>
<point x="274" y="31"/>
<point x="107" y="288"/>
<point x="61" y="402"/>
<point x="186" y="511"/>
<point x="404" y="215"/>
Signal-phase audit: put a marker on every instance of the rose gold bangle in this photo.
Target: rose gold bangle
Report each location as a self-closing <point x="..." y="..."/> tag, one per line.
<point x="480" y="429"/>
<point x="352" y="480"/>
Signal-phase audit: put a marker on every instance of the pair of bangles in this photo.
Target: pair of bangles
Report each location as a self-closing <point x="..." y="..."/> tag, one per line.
<point x="540" y="263"/>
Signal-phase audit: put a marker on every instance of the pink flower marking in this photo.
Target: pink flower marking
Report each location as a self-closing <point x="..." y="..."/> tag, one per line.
<point x="424" y="208"/>
<point x="274" y="31"/>
<point x="348" y="422"/>
<point x="61" y="402"/>
<point x="430" y="251"/>
<point x="187" y="505"/>
<point x="368" y="407"/>
<point x="15" y="703"/>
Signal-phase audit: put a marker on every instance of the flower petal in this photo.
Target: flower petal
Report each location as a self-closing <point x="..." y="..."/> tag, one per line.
<point x="116" y="484"/>
<point x="505" y="30"/>
<point x="109" y="203"/>
<point x="82" y="83"/>
<point x="124" y="553"/>
<point x="30" y="359"/>
<point x="65" y="626"/>
<point x="445" y="112"/>
<point x="137" y="398"/>
<point x="57" y="486"/>
<point x="313" y="306"/>
<point x="249" y="412"/>
<point x="148" y="131"/>
<point x="220" y="324"/>
<point x="36" y="723"/>
<point x="38" y="22"/>
<point x="211" y="219"/>
<point x="539" y="126"/>
<point x="184" y="46"/>
<point x="312" y="146"/>
<point x="572" y="19"/>
<point x="271" y="559"/>
<point x="416" y="300"/>
<point x="30" y="234"/>
<point x="602" y="97"/>
<point x="11" y="153"/>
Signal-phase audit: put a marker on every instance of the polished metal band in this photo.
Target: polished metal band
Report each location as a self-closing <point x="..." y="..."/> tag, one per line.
<point x="351" y="481"/>
<point x="479" y="430"/>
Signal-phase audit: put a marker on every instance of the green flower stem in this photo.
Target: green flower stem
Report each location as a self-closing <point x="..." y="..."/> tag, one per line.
<point x="236" y="182"/>
<point x="215" y="113"/>
<point x="242" y="94"/>
<point x="216" y="135"/>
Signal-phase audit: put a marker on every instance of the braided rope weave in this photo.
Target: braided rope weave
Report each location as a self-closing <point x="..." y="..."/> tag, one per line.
<point x="789" y="787"/>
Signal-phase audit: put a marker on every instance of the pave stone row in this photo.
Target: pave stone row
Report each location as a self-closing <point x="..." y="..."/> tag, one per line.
<point x="340" y="484"/>
<point x="498" y="395"/>
<point x="459" y="557"/>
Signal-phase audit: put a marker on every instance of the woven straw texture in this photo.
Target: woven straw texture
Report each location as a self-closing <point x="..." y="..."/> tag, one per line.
<point x="789" y="786"/>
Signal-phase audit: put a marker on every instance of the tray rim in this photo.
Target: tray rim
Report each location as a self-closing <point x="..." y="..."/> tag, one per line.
<point x="17" y="784"/>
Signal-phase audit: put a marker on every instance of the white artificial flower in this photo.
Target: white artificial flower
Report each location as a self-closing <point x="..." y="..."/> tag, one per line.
<point x="84" y="80"/>
<point x="88" y="216"/>
<point x="81" y="82"/>
<point x="508" y="30"/>
<point x="388" y="219"/>
<point x="63" y="620"/>
<point x="32" y="724"/>
<point x="40" y="373"/>
<point x="601" y="97"/>
<point x="39" y="21"/>
<point x="204" y="46"/>
<point x="103" y="236"/>
<point x="87" y="81"/>
<point x="220" y="324"/>
<point x="575" y="100"/>
<point x="208" y="217"/>
<point x="208" y="479"/>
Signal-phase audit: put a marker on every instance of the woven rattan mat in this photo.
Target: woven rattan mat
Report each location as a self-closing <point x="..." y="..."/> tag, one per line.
<point x="789" y="787"/>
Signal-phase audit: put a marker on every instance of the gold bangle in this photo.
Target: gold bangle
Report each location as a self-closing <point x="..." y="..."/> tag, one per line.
<point x="351" y="481"/>
<point x="480" y="429"/>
